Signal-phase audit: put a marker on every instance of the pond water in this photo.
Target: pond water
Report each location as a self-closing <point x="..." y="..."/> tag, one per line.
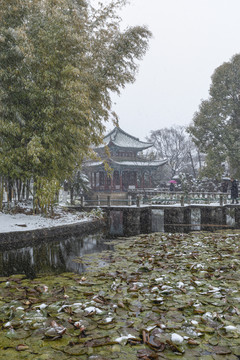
<point x="52" y="256"/>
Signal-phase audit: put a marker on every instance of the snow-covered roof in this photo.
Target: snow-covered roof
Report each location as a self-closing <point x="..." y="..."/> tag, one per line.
<point x="122" y="139"/>
<point x="141" y="163"/>
<point x="93" y="163"/>
<point x="136" y="163"/>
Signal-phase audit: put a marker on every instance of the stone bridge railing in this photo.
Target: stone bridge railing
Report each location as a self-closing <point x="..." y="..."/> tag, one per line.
<point x="201" y="197"/>
<point x="161" y="198"/>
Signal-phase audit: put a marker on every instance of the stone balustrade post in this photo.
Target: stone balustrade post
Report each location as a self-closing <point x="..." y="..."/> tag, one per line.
<point x="129" y="200"/>
<point x="225" y="199"/>
<point x="82" y="201"/>
<point x="138" y="201"/>
<point x="182" y="200"/>
<point x="221" y="200"/>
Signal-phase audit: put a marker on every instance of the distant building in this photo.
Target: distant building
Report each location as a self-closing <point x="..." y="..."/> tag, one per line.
<point x="129" y="170"/>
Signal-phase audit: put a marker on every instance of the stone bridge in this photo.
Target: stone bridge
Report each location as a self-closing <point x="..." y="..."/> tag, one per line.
<point x="133" y="220"/>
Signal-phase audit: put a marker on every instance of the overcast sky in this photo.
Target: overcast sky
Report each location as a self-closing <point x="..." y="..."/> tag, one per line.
<point x="191" y="38"/>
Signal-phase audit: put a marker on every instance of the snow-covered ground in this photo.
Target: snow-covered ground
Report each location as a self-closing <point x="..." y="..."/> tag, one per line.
<point x="22" y="222"/>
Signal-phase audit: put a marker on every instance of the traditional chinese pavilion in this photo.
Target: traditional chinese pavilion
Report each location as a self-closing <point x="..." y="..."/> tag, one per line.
<point x="129" y="170"/>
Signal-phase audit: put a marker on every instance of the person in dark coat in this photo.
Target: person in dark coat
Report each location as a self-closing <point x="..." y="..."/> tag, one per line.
<point x="234" y="191"/>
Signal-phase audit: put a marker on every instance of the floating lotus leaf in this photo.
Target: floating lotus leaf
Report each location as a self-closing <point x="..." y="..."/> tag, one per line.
<point x="22" y="347"/>
<point x="156" y="343"/>
<point x="8" y="343"/>
<point x="206" y="329"/>
<point x="147" y="354"/>
<point x="48" y="353"/>
<point x="236" y="350"/>
<point x="98" y="357"/>
<point x="106" y="326"/>
<point x="98" y="342"/>
<point x="17" y="334"/>
<point x="13" y="354"/>
<point x="221" y="350"/>
<point x="75" y="350"/>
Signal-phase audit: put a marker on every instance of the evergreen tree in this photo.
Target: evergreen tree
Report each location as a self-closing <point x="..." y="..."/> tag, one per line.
<point x="216" y="125"/>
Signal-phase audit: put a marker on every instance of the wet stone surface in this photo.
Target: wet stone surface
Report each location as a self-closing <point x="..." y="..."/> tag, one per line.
<point x="157" y="296"/>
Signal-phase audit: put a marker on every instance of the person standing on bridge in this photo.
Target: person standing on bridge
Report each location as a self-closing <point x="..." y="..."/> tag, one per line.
<point x="234" y="191"/>
<point x="172" y="185"/>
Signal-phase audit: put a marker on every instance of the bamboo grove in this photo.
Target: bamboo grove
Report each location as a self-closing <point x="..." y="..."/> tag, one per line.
<point x="60" y="61"/>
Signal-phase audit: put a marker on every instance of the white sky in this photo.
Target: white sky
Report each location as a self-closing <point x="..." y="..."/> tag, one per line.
<point x="191" y="38"/>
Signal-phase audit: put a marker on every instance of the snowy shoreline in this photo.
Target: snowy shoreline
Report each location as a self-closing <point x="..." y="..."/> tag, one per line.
<point x="23" y="222"/>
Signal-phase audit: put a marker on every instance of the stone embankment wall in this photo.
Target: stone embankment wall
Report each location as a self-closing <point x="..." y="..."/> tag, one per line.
<point x="23" y="238"/>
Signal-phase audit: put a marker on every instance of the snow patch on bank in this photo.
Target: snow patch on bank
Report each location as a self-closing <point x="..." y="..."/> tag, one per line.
<point x="22" y="222"/>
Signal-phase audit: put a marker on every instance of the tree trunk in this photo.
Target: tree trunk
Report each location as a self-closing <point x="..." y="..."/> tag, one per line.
<point x="199" y="160"/>
<point x="19" y="188"/>
<point x="27" y="189"/>
<point x="192" y="163"/>
<point x="1" y="193"/>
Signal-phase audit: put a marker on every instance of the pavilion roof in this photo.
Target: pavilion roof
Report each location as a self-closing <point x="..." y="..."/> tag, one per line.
<point x="130" y="163"/>
<point x="122" y="139"/>
<point x="139" y="163"/>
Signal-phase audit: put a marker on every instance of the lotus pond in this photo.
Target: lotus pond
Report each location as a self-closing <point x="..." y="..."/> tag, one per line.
<point x="157" y="296"/>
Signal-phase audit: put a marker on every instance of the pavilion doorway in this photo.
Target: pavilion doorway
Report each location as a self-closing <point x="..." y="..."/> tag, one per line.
<point x="129" y="180"/>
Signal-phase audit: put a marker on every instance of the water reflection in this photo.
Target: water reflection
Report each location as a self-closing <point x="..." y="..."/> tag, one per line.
<point x="158" y="220"/>
<point x="51" y="257"/>
<point x="195" y="219"/>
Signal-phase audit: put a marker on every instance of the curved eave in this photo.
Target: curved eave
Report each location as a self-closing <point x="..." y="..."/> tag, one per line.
<point x="127" y="163"/>
<point x="152" y="164"/>
<point x="94" y="164"/>
<point x="130" y="148"/>
<point x="144" y="146"/>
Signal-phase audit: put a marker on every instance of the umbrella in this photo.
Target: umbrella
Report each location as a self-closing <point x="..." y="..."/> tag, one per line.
<point x="226" y="178"/>
<point x="172" y="181"/>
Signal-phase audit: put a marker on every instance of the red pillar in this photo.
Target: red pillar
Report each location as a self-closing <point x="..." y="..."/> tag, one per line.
<point x="91" y="180"/>
<point x="105" y="182"/>
<point x="136" y="185"/>
<point x="112" y="182"/>
<point x="120" y="180"/>
<point x="95" y="182"/>
<point x="142" y="181"/>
